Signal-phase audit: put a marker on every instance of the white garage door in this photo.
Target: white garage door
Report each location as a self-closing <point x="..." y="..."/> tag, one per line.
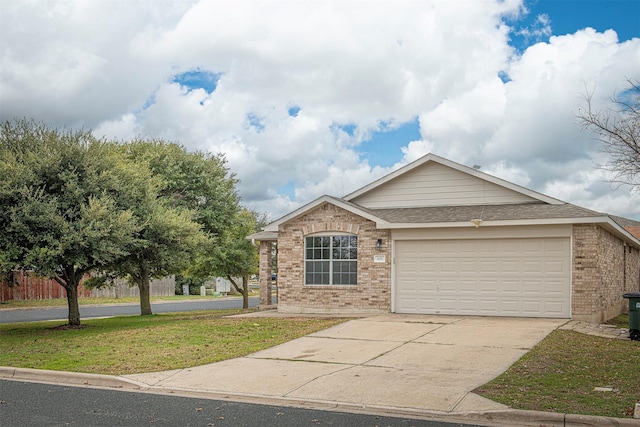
<point x="490" y="277"/>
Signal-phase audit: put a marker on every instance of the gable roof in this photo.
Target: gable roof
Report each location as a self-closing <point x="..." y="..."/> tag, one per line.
<point x="344" y="204"/>
<point x="402" y="180"/>
<point x="536" y="208"/>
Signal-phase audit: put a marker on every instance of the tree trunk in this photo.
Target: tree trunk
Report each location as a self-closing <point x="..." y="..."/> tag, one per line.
<point x="70" y="281"/>
<point x="245" y="291"/>
<point x="143" y="286"/>
<point x="72" y="303"/>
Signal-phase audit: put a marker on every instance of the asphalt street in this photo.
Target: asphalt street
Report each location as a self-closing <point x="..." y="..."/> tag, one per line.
<point x="92" y="311"/>
<point x="36" y="404"/>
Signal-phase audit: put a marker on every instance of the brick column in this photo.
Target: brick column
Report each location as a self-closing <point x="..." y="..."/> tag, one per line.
<point x="265" y="272"/>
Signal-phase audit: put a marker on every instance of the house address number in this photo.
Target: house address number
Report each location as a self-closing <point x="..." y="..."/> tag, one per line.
<point x="379" y="258"/>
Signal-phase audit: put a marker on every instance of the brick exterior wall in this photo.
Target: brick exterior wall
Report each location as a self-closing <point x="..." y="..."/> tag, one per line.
<point x="265" y="273"/>
<point x="372" y="294"/>
<point x="604" y="268"/>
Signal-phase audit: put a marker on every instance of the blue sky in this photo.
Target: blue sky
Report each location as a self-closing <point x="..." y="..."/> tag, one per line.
<point x="569" y="16"/>
<point x="564" y="17"/>
<point x="311" y="98"/>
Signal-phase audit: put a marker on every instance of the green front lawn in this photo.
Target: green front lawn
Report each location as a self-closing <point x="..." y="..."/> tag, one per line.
<point x="133" y="344"/>
<point x="560" y="374"/>
<point x="62" y="302"/>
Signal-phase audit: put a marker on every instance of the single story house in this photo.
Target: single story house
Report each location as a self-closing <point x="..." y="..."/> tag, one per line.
<point x="437" y="237"/>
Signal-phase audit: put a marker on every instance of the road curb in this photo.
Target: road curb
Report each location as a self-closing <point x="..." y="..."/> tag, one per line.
<point x="494" y="418"/>
<point x="67" y="378"/>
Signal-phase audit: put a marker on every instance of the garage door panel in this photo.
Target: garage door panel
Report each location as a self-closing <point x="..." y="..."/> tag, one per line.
<point x="448" y="248"/>
<point x="468" y="286"/>
<point x="530" y="287"/>
<point x="448" y="267"/>
<point x="509" y="266"/>
<point x="533" y="248"/>
<point x="488" y="287"/>
<point x="488" y="305"/>
<point x="500" y="277"/>
<point x="468" y="266"/>
<point x="532" y="267"/>
<point x="554" y="288"/>
<point x="556" y="307"/>
<point x="509" y="306"/>
<point x="555" y="266"/>
<point x="448" y="285"/>
<point x="489" y="266"/>
<point x="555" y="247"/>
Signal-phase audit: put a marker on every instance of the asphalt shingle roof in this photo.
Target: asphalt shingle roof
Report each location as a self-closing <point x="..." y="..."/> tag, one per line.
<point x="484" y="212"/>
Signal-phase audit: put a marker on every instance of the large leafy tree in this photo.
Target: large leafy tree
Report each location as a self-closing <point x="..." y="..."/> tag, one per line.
<point x="236" y="257"/>
<point x="196" y="204"/>
<point x="62" y="215"/>
<point x="166" y="243"/>
<point x="618" y="130"/>
<point x="197" y="181"/>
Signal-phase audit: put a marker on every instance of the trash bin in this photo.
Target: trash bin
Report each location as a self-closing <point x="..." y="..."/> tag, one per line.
<point x="634" y="315"/>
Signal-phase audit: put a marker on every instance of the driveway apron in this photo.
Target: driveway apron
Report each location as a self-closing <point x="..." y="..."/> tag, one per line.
<point x="403" y="361"/>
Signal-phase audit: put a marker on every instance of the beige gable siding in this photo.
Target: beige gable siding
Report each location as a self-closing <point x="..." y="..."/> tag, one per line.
<point x="434" y="184"/>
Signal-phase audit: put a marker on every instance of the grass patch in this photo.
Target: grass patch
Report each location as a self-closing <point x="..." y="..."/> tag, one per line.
<point x="560" y="373"/>
<point x="135" y="344"/>
<point x="621" y="321"/>
<point x="62" y="302"/>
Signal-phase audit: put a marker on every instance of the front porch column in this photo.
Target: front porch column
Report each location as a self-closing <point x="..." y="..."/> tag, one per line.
<point x="265" y="272"/>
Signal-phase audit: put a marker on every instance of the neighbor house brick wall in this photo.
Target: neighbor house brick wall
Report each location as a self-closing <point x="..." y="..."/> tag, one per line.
<point x="373" y="291"/>
<point x="603" y="270"/>
<point x="634" y="230"/>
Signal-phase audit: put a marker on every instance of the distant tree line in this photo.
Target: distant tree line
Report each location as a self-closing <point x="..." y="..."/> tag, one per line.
<point x="75" y="205"/>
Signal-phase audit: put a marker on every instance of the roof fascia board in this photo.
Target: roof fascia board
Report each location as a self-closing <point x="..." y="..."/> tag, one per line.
<point x="606" y="222"/>
<point x="457" y="166"/>
<point x="273" y="227"/>
<point x="263" y="236"/>
<point x="482" y="224"/>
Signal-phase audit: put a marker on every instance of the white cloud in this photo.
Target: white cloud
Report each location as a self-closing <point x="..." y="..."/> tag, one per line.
<point x="539" y="29"/>
<point x="110" y="67"/>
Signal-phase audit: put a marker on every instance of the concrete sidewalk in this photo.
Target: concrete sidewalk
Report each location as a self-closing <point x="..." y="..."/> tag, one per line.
<point x="408" y="365"/>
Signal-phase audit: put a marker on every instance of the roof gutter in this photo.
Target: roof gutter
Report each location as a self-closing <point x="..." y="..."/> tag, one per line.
<point x="605" y="222"/>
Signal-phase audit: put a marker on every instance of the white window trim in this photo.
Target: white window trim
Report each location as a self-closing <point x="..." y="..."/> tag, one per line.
<point x="331" y="260"/>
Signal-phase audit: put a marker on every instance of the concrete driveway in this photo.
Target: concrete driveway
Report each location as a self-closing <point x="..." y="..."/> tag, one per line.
<point x="402" y="361"/>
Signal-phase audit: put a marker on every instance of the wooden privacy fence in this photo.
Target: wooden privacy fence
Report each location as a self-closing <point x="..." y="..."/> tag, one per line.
<point x="30" y="287"/>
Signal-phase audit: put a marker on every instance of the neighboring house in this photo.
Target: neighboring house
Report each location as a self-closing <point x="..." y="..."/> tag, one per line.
<point x="437" y="237"/>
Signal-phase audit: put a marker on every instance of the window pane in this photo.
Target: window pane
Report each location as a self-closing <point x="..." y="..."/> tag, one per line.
<point x="344" y="273"/>
<point x="317" y="273"/>
<point x="353" y="278"/>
